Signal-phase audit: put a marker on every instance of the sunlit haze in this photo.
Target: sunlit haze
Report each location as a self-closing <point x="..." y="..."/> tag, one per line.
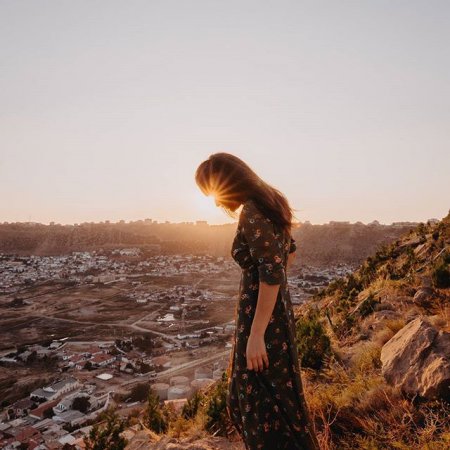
<point x="107" y="108"/>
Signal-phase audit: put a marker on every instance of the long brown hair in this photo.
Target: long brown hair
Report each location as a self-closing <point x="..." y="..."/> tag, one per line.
<point x="233" y="180"/>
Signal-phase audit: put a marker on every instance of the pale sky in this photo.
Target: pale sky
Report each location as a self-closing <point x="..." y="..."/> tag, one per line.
<point x="107" y="107"/>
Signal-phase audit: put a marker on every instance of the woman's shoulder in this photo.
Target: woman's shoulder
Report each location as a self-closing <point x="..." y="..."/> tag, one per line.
<point x="252" y="214"/>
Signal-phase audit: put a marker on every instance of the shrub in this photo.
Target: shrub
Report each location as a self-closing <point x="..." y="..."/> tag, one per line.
<point x="368" y="305"/>
<point x="154" y="417"/>
<point x="107" y="437"/>
<point x="216" y="412"/>
<point x="192" y="406"/>
<point x="345" y="325"/>
<point x="313" y="344"/>
<point x="139" y="392"/>
<point x="440" y="273"/>
<point x="81" y="404"/>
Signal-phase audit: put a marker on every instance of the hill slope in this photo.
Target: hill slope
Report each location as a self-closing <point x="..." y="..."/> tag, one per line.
<point x="400" y="294"/>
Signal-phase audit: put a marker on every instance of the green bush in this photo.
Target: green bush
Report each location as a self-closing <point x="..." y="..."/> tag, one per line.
<point x="192" y="406"/>
<point x="154" y="417"/>
<point x="313" y="344"/>
<point x="368" y="305"/>
<point x="216" y="408"/>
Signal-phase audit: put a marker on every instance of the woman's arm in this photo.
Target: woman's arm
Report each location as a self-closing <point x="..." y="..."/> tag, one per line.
<point x="291" y="259"/>
<point x="256" y="349"/>
<point x="267" y="254"/>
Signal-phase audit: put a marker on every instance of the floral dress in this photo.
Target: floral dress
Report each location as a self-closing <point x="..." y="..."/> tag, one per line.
<point x="267" y="408"/>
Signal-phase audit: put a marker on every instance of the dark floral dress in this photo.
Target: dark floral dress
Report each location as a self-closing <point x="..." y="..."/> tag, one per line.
<point x="267" y="408"/>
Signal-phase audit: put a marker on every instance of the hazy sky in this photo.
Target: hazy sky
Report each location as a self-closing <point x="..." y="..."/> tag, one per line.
<point x="107" y="107"/>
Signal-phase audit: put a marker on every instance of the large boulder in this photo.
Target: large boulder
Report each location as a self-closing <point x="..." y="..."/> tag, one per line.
<point x="417" y="360"/>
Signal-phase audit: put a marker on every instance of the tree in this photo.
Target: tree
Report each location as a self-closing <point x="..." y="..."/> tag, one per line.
<point x="107" y="436"/>
<point x="217" y="420"/>
<point x="191" y="407"/>
<point x="154" y="416"/>
<point x="139" y="392"/>
<point x="48" y="413"/>
<point x="81" y="404"/>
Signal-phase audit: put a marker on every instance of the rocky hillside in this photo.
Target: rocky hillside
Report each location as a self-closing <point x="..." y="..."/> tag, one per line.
<point x="408" y="277"/>
<point x="378" y="341"/>
<point x="375" y="358"/>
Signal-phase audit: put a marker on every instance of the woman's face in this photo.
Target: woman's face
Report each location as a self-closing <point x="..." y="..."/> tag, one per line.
<point x="219" y="189"/>
<point x="233" y="205"/>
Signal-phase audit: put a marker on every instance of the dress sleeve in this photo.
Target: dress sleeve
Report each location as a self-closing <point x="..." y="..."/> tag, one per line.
<point x="293" y="246"/>
<point x="265" y="245"/>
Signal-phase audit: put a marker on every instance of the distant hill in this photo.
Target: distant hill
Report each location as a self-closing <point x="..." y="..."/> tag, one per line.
<point x="343" y="242"/>
<point x="317" y="244"/>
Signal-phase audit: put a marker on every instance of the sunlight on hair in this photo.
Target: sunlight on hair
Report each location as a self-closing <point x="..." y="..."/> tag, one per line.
<point x="222" y="188"/>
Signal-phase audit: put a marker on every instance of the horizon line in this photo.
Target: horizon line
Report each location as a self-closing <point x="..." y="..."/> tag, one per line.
<point x="202" y="222"/>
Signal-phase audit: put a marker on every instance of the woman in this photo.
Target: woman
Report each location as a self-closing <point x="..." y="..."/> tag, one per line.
<point x="265" y="398"/>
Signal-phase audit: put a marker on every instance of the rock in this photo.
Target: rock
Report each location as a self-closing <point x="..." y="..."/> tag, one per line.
<point x="421" y="249"/>
<point x="417" y="360"/>
<point x="148" y="440"/>
<point x="209" y="443"/>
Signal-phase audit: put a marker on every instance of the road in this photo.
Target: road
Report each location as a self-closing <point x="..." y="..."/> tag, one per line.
<point x="174" y="370"/>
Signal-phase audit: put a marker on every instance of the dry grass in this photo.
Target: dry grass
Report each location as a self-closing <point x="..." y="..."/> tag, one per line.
<point x="395" y="325"/>
<point x="383" y="336"/>
<point x="354" y="408"/>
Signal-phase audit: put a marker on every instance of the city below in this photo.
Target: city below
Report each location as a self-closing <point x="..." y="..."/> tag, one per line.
<point x="81" y="332"/>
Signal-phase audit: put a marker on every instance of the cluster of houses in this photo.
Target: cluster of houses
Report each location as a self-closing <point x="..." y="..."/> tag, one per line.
<point x="311" y="279"/>
<point x="18" y="271"/>
<point x="46" y="418"/>
<point x="86" y="357"/>
<point x="59" y="413"/>
<point x="185" y="264"/>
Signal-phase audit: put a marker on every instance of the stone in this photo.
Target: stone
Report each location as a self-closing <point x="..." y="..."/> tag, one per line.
<point x="417" y="360"/>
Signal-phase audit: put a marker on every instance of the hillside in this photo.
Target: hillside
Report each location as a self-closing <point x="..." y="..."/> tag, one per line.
<point x="374" y="349"/>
